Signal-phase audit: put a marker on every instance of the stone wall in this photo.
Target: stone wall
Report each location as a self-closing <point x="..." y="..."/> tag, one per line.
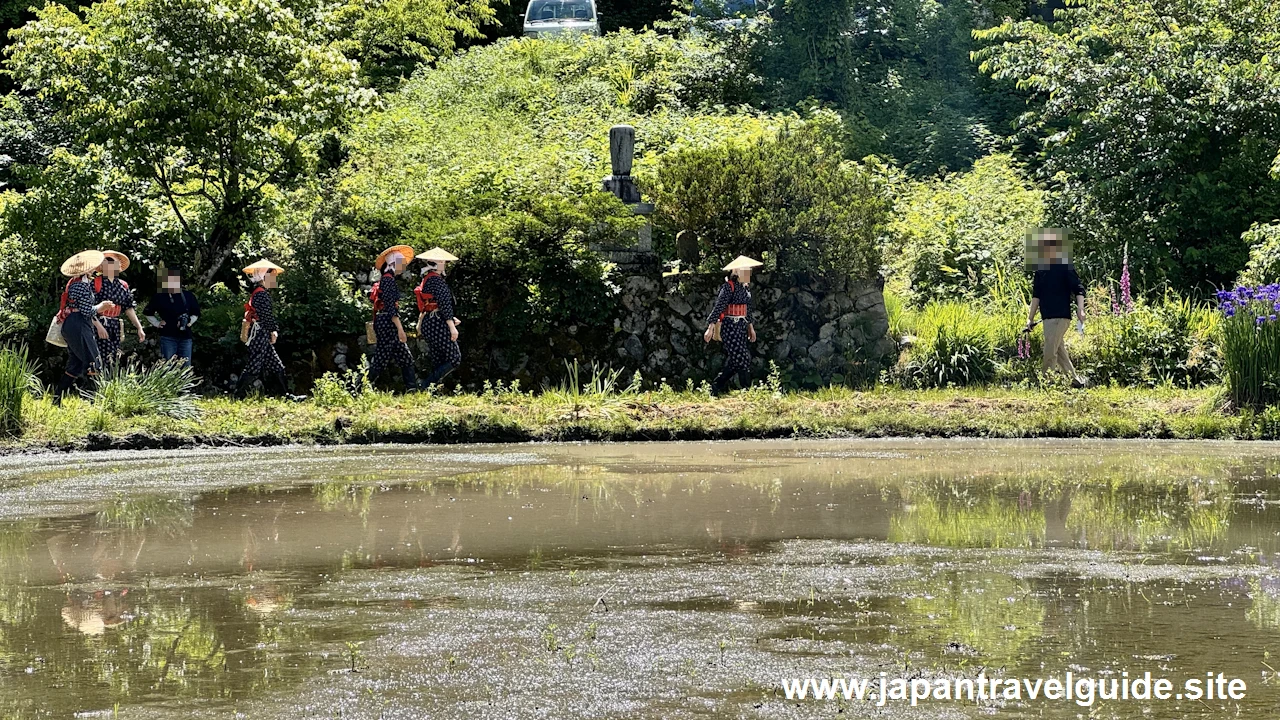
<point x="818" y="331"/>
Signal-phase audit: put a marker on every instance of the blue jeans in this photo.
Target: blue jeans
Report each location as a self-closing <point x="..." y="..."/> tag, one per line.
<point x="171" y="346"/>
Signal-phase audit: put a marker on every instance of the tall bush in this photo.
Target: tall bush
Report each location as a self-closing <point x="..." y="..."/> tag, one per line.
<point x="1264" y="254"/>
<point x="792" y="196"/>
<point x="961" y="236"/>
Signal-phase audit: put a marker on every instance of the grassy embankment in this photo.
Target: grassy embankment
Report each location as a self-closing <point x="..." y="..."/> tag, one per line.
<point x="377" y="417"/>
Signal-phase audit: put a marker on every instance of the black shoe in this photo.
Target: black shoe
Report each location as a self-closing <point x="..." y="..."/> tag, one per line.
<point x="242" y="386"/>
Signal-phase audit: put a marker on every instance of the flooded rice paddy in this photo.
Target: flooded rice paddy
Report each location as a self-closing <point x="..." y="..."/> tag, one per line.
<point x="673" y="580"/>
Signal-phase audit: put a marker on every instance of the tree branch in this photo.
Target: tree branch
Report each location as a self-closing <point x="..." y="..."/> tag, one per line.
<point x="173" y="203"/>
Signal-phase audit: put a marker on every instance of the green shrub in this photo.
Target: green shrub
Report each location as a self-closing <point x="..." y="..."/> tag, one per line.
<point x="129" y="389"/>
<point x="951" y="357"/>
<point x="954" y="344"/>
<point x="1264" y="255"/>
<point x="343" y="390"/>
<point x="1168" y="341"/>
<point x="17" y="380"/>
<point x="961" y="237"/>
<point x="791" y="196"/>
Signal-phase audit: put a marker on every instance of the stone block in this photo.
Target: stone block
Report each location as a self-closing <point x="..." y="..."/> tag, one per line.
<point x="680" y="343"/>
<point x="679" y="305"/>
<point x="822" y="350"/>
<point x="634" y="347"/>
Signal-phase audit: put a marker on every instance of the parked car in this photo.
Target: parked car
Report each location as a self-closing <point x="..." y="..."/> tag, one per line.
<point x="552" y="17"/>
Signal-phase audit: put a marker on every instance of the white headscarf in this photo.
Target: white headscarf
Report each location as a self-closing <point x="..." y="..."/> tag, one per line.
<point x="259" y="275"/>
<point x="395" y="257"/>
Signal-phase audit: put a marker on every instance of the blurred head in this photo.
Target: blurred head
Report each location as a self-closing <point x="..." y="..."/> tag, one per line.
<point x="394" y="262"/>
<point x="742" y="274"/>
<point x="265" y="277"/>
<point x="172" y="280"/>
<point x="434" y="266"/>
<point x="1045" y="246"/>
<point x="110" y="267"/>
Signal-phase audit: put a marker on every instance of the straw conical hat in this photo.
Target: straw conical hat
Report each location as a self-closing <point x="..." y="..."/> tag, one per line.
<point x="404" y="250"/>
<point x="438" y="254"/>
<point x="742" y="261"/>
<point x="120" y="258"/>
<point x="263" y="264"/>
<point x="82" y="263"/>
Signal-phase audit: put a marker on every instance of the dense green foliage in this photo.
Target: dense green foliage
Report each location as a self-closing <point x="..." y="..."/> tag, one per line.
<point x="206" y="103"/>
<point x="957" y="237"/>
<point x="1264" y="255"/>
<point x="498" y="153"/>
<point x="899" y="70"/>
<point x="791" y="197"/>
<point x="165" y="389"/>
<point x="1168" y="340"/>
<point x="1158" y="124"/>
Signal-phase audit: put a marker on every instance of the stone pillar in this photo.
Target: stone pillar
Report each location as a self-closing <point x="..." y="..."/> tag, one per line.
<point x="622" y="149"/>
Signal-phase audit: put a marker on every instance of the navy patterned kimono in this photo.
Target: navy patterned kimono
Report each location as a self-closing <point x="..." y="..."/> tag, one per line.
<point x="262" y="354"/>
<point x="78" y="331"/>
<point x="117" y="291"/>
<point x="386" y="307"/>
<point x="733" y="311"/>
<point x="436" y="301"/>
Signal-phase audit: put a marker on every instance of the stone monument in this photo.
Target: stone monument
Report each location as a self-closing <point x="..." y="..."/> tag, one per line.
<point x="622" y="150"/>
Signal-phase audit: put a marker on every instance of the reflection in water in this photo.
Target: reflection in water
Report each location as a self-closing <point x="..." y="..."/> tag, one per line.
<point x="163" y="600"/>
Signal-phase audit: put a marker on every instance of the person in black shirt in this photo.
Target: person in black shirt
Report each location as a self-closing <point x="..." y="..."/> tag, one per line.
<point x="1053" y="289"/>
<point x="174" y="311"/>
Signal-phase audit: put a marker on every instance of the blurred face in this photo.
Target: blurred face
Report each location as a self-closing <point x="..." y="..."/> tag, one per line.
<point x="1048" y="246"/>
<point x="270" y="280"/>
<point x="744" y="274"/>
<point x="172" y="282"/>
<point x="110" y="266"/>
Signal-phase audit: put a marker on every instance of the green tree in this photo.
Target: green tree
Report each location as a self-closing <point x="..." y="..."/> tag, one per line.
<point x="209" y="102"/>
<point x="899" y="71"/>
<point x="390" y="38"/>
<point x="1158" y="123"/>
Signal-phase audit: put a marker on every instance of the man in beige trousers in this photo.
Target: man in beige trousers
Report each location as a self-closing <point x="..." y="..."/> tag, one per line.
<point x="1054" y="287"/>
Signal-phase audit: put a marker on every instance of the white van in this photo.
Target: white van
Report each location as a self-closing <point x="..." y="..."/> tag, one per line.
<point x="552" y="17"/>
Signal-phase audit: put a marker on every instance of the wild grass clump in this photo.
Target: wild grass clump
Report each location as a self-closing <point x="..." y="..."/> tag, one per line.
<point x="597" y="391"/>
<point x="17" y="383"/>
<point x="955" y="343"/>
<point x="164" y="389"/>
<point x="348" y="390"/>
<point x="1251" y="344"/>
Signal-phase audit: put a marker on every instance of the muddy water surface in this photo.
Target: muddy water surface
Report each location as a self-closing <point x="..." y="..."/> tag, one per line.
<point x="633" y="581"/>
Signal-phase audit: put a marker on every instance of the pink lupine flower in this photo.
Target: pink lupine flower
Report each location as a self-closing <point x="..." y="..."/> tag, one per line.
<point x="1126" y="298"/>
